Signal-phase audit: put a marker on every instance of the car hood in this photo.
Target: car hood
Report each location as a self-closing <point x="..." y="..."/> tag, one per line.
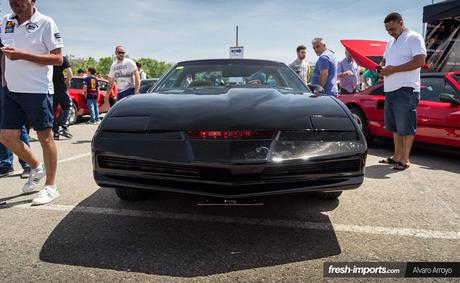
<point x="235" y="110"/>
<point x="366" y="53"/>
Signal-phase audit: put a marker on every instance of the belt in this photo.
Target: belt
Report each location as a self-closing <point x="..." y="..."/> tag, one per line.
<point x="406" y="88"/>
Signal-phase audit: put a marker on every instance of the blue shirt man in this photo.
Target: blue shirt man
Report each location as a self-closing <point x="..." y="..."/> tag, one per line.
<point x="325" y="73"/>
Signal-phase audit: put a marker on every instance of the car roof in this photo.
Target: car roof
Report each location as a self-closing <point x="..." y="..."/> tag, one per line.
<point x="80" y="78"/>
<point x="236" y="61"/>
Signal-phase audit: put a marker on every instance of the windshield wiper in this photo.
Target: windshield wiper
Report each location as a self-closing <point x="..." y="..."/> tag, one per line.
<point x="175" y="90"/>
<point x="206" y="90"/>
<point x="289" y="90"/>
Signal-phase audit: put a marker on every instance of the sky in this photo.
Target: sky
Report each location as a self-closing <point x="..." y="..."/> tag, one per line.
<point x="178" y="30"/>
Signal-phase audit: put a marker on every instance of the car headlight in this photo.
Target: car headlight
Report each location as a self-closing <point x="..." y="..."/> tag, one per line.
<point x="311" y="144"/>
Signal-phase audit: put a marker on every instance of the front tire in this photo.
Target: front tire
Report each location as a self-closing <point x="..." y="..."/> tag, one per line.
<point x="131" y="194"/>
<point x="329" y="195"/>
<point x="73" y="114"/>
<point x="361" y="120"/>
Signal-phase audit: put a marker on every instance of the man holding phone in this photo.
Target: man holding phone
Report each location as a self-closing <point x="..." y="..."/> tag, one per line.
<point x="404" y="56"/>
<point x="28" y="73"/>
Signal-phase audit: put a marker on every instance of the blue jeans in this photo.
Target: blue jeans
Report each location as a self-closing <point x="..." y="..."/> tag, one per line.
<point x="6" y="156"/>
<point x="93" y="109"/>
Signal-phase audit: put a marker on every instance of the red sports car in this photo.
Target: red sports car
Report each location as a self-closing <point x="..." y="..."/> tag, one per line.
<point x="79" y="105"/>
<point x="438" y="113"/>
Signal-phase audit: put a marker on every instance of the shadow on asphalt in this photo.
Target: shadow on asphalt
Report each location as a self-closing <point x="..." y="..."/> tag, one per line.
<point x="81" y="141"/>
<point x="380" y="171"/>
<point x="8" y="203"/>
<point x="189" y="248"/>
<point x="85" y="118"/>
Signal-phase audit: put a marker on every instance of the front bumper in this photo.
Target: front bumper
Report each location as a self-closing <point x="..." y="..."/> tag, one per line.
<point x="230" y="180"/>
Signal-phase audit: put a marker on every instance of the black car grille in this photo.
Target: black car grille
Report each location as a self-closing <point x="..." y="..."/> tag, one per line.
<point x="255" y="173"/>
<point x="226" y="175"/>
<point x="159" y="168"/>
<point x="342" y="166"/>
<point x="228" y="189"/>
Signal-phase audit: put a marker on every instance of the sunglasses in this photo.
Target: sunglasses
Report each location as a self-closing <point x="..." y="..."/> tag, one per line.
<point x="118" y="52"/>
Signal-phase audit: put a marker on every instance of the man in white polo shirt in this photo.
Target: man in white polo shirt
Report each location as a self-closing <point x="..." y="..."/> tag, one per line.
<point x="32" y="44"/>
<point x="404" y="56"/>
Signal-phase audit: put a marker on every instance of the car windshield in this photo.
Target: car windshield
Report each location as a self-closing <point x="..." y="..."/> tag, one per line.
<point x="456" y="77"/>
<point x="76" y="83"/>
<point x="219" y="77"/>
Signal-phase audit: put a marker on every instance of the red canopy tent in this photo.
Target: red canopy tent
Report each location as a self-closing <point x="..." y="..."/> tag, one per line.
<point x="366" y="53"/>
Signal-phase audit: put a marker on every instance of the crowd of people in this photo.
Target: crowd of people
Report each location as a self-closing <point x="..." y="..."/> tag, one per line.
<point x="334" y="76"/>
<point x="400" y="68"/>
<point x="32" y="45"/>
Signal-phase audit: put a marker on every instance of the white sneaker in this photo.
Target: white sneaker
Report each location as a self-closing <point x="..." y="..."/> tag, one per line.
<point x="47" y="195"/>
<point x="34" y="179"/>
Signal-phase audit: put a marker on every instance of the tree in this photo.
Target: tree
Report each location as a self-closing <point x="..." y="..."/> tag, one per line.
<point x="91" y="62"/>
<point x="153" y="68"/>
<point x="77" y="64"/>
<point x="103" y="66"/>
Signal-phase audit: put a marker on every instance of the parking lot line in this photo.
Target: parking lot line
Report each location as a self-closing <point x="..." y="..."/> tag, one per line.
<point x="74" y="157"/>
<point x="376" y="230"/>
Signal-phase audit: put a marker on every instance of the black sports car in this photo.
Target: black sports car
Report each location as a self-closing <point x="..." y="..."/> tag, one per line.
<point x="229" y="128"/>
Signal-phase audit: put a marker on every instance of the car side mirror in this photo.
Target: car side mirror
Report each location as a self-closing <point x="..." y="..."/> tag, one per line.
<point x="316" y="89"/>
<point x="449" y="98"/>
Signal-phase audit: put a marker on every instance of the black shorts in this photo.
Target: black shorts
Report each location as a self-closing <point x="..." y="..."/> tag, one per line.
<point x="18" y="108"/>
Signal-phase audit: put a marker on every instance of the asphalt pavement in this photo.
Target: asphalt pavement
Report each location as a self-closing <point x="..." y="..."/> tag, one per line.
<point x="89" y="235"/>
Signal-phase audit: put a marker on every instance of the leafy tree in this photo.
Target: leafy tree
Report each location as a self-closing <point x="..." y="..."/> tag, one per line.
<point x="91" y="62"/>
<point x="152" y="67"/>
<point x="103" y="66"/>
<point x="77" y="64"/>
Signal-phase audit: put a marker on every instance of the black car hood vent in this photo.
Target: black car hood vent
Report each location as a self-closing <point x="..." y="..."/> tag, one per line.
<point x="236" y="110"/>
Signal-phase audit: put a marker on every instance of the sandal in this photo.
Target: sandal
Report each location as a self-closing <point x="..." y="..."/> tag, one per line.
<point x="388" y="160"/>
<point x="399" y="166"/>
